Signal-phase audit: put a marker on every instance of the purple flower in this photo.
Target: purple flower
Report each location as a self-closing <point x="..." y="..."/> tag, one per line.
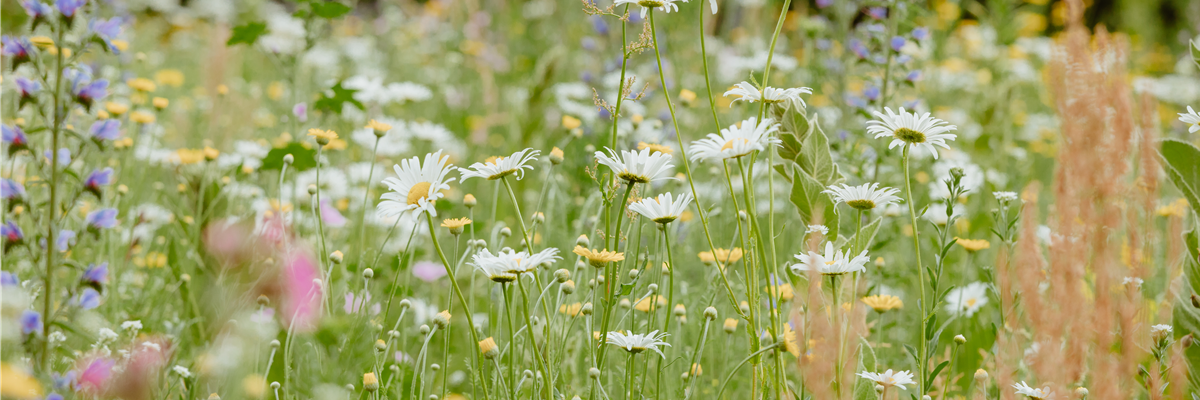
<point x="97" y="274"/>
<point x="65" y="239"/>
<point x="897" y="42"/>
<point x="599" y="25"/>
<point x="27" y="87"/>
<point x="856" y="102"/>
<point x="98" y="178"/>
<point x="103" y="218"/>
<point x="107" y="30"/>
<point x="68" y="7"/>
<point x="911" y="104"/>
<point x="64" y="156"/>
<point x="877" y="12"/>
<point x="428" y="271"/>
<point x="31" y="322"/>
<point x="913" y="76"/>
<point x="14" y="137"/>
<point x="920" y="33"/>
<point x="18" y="49"/>
<point x="12" y="233"/>
<point x="54" y="396"/>
<point x="871" y="93"/>
<point x="8" y="279"/>
<point x="36" y="9"/>
<point x="109" y="129"/>
<point x="859" y="48"/>
<point x="331" y="216"/>
<point x="63" y="381"/>
<point x="588" y="43"/>
<point x="636" y="18"/>
<point x="88" y="299"/>
<point x="86" y="90"/>
<point x="10" y="189"/>
<point x="824" y="3"/>
<point x="300" y="110"/>
<point x="903" y="59"/>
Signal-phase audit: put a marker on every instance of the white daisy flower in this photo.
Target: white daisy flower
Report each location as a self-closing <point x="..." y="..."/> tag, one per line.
<point x="833" y="262"/>
<point x="637" y="166"/>
<point x="967" y="299"/>
<point x="1036" y="394"/>
<point x="637" y="343"/>
<point x="908" y="128"/>
<point x="890" y="379"/>
<point x="1192" y="119"/>
<point x="1160" y="331"/>
<point x="501" y="167"/>
<point x="822" y="229"/>
<point x="1005" y="197"/>
<point x="749" y="93"/>
<point x="663" y="5"/>
<point x="736" y="141"/>
<point x="863" y="197"/>
<point x="662" y="209"/>
<point x="182" y="371"/>
<point x="417" y="186"/>
<point x="506" y="264"/>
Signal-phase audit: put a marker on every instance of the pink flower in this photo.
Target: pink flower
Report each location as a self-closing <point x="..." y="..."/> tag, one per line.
<point x="95" y="374"/>
<point x="302" y="293"/>
<point x="331" y="216"/>
<point x="428" y="271"/>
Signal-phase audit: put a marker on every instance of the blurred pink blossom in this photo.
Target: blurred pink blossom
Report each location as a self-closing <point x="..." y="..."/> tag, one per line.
<point x="428" y="271"/>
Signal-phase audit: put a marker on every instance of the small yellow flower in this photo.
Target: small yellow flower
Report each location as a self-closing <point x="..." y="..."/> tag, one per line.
<point x="456" y="225"/>
<point x="686" y="97"/>
<point x="323" y="136"/>
<point x="169" y="77"/>
<point x="41" y="41"/>
<point x="190" y="156"/>
<point x="789" y="340"/>
<point x="254" y="386"/>
<point x="644" y="304"/>
<point x="488" y="348"/>
<point x="142" y="85"/>
<point x="974" y="245"/>
<point x="696" y="370"/>
<point x="378" y="126"/>
<point x="655" y="148"/>
<point x="222" y="89"/>
<point x="725" y="256"/>
<point x="370" y="382"/>
<point x="101" y="114"/>
<point x="570" y="122"/>
<point x="211" y="153"/>
<point x="784" y="291"/>
<point x="142" y="117"/>
<point x="18" y="384"/>
<point x="572" y="310"/>
<point x="731" y="324"/>
<point x="160" y="102"/>
<point x="883" y="303"/>
<point x="116" y="109"/>
<point x="599" y="258"/>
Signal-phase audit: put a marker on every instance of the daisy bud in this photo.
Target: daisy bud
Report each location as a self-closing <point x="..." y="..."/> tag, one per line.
<point x="586" y="310"/>
<point x="568" y="287"/>
<point x="687" y="97"/>
<point x="744" y="307"/>
<point x="394" y="368"/>
<point x="594" y="373"/>
<point x="214" y="396"/>
<point x="424" y="329"/>
<point x="263" y="300"/>
<point x="368" y="273"/>
<point x="730" y="325"/>
<point x="1186" y="340"/>
<point x="160" y="103"/>
<point x="539" y="218"/>
<point x="879" y="262"/>
<point x="980" y="375"/>
<point x="680" y="310"/>
<point x="684" y="376"/>
<point x="879" y="388"/>
<point x="312" y="189"/>
<point x="336" y="257"/>
<point x="435" y="367"/>
<point x="960" y="339"/>
<point x="556" y="156"/>
<point x="370" y="382"/>
<point x="926" y="397"/>
<point x="633" y="274"/>
<point x="349" y="387"/>
<point x="380" y="345"/>
<point x="591" y="283"/>
<point x="743" y="216"/>
<point x="433" y="397"/>
<point x="442" y="319"/>
<point x="625" y="304"/>
<point x="274" y="344"/>
<point x="653" y="287"/>
<point x="600" y="280"/>
<point x="583" y="241"/>
<point x="710" y="313"/>
<point x="405" y="304"/>
<point x="505" y="232"/>
<point x="289" y="158"/>
<point x="488" y="348"/>
<point x="1081" y="392"/>
<point x="122" y="189"/>
<point x="469" y="200"/>
<point x="275" y="385"/>
<point x="562" y="275"/>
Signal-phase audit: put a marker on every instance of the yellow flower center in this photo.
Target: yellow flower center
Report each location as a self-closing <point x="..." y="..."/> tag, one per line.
<point x="729" y="145"/>
<point x="418" y="192"/>
<point x="971" y="302"/>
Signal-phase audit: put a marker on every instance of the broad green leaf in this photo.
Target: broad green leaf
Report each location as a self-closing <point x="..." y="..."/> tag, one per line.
<point x="305" y="158"/>
<point x="868" y="235"/>
<point x="247" y="33"/>
<point x="814" y="207"/>
<point x="329" y="10"/>
<point x="814" y="155"/>
<point x="1182" y="161"/>
<point x="333" y="102"/>
<point x="864" y="389"/>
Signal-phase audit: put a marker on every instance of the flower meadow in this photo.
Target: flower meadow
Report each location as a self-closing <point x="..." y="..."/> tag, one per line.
<point x="599" y="199"/>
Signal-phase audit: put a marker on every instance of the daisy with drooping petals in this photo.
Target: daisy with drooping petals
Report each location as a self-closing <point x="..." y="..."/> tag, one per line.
<point x="863" y="197"/>
<point x="750" y="94"/>
<point x="637" y="343"/>
<point x="663" y="5"/>
<point x="502" y="166"/>
<point x="736" y="141"/>
<point x="506" y="265"/>
<point x="890" y="378"/>
<point x="1192" y="119"/>
<point x="662" y="209"/>
<point x="908" y="128"/>
<point x="1036" y="394"/>
<point x="833" y="262"/>
<point x="637" y="166"/>
<point x="599" y="258"/>
<point x="417" y="186"/>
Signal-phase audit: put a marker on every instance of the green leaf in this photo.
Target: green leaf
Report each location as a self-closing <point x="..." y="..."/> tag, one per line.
<point x="1194" y="48"/>
<point x="934" y="374"/>
<point x="247" y="33"/>
<point x="1182" y="162"/>
<point x="329" y="10"/>
<point x="814" y="207"/>
<point x="864" y="389"/>
<point x="305" y="158"/>
<point x="333" y="103"/>
<point x="868" y="235"/>
<point x="815" y="157"/>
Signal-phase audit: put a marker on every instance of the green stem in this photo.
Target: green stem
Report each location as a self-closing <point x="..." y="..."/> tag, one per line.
<point x="912" y="214"/>
<point x="461" y="299"/>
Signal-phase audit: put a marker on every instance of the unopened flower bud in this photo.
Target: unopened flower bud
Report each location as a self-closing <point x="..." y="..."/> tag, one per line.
<point x="633" y="274"/>
<point x="263" y="300"/>
<point x="730" y="325"/>
<point x="435" y="367"/>
<point x="744" y="307"/>
<point x="926" y="397"/>
<point x="556" y="156"/>
<point x="505" y="232"/>
<point x="469" y="200"/>
<point x="625" y="304"/>
<point x="680" y="310"/>
<point x="539" y="218"/>
<point x="562" y="275"/>
<point x="424" y="329"/>
<point x="336" y="257"/>
<point x="380" y="345"/>
<point x="1195" y="301"/>
<point x="879" y="388"/>
<point x="274" y="344"/>
<point x="289" y="158"/>
<point x="653" y="287"/>
<point x="214" y="396"/>
<point x="1081" y="392"/>
<point x="405" y="304"/>
<point x="368" y="273"/>
<point x="594" y="373"/>
<point x="488" y="348"/>
<point x="370" y="382"/>
<point x="583" y="241"/>
<point x="312" y="189"/>
<point x="710" y="313"/>
<point x="960" y="339"/>
<point x="1186" y="340"/>
<point x="442" y="319"/>
<point x="275" y="385"/>
<point x="743" y="216"/>
<point x="981" y="375"/>
<point x="568" y="287"/>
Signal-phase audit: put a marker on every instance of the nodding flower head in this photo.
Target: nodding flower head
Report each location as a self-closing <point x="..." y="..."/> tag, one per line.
<point x="98" y="179"/>
<point x="68" y="8"/>
<point x="87" y="91"/>
<point x="17" y="49"/>
<point x="11" y="190"/>
<point x="12" y="234"/>
<point x="107" y="30"/>
<point x="109" y="129"/>
<point x="96" y="274"/>
<point x="104" y="218"/>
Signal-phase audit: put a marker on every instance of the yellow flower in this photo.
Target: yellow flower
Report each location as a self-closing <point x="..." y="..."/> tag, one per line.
<point x="784" y="291"/>
<point x="254" y="386"/>
<point x="488" y="348"/>
<point x="723" y="255"/>
<point x="211" y="153"/>
<point x="643" y="305"/>
<point x="455" y="225"/>
<point x="222" y="89"/>
<point x="572" y="310"/>
<point x="370" y="382"/>
<point x="687" y="97"/>
<point x="18" y="384"/>
<point x="169" y="77"/>
<point x="41" y="41"/>
<point x="116" y="109"/>
<point x="190" y="156"/>
<point x="142" y="117"/>
<point x="142" y="85"/>
<point x="883" y="303"/>
<point x="789" y="340"/>
<point x="323" y="136"/>
<point x="378" y="126"/>
<point x="696" y="370"/>
<point x="599" y="258"/>
<point x="974" y="245"/>
<point x="121" y="45"/>
<point x="731" y="324"/>
<point x="1177" y="208"/>
<point x="160" y="102"/>
<point x="655" y="148"/>
<point x="570" y="122"/>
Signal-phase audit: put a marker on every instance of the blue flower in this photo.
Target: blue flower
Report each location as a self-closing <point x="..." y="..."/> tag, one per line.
<point x="871" y="93"/>
<point x="14" y="137"/>
<point x="12" y="234"/>
<point x="88" y="299"/>
<point x="913" y="76"/>
<point x="898" y="42"/>
<point x="18" y="49"/>
<point x="86" y="90"/>
<point x="65" y="239"/>
<point x="96" y="273"/>
<point x="877" y="12"/>
<point x="599" y="25"/>
<point x="109" y="129"/>
<point x="859" y="48"/>
<point x="31" y="322"/>
<point x="920" y="33"/>
<point x="8" y="279"/>
<point x="36" y="9"/>
<point x="68" y="7"/>
<point x="10" y="189"/>
<point x="107" y="30"/>
<point x="54" y="396"/>
<point x="27" y="87"/>
<point x="103" y="218"/>
<point x="64" y="381"/>
<point x="98" y="178"/>
<point x="64" y="156"/>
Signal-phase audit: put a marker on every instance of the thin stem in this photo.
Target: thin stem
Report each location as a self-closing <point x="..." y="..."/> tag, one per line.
<point x="461" y="299"/>
<point x="912" y="214"/>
